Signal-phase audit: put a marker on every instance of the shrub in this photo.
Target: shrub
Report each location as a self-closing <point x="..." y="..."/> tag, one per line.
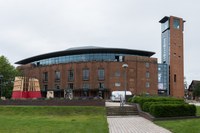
<point x="130" y="99"/>
<point x="142" y="100"/>
<point x="172" y="110"/>
<point x="146" y="106"/>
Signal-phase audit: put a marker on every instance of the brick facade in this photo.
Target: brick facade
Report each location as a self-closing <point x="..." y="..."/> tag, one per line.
<point x="141" y="76"/>
<point x="176" y="59"/>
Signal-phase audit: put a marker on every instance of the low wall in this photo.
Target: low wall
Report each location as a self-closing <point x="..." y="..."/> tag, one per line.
<point x="53" y="102"/>
<point x="144" y="114"/>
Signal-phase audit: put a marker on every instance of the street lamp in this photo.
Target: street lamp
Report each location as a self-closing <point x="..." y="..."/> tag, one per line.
<point x="1" y="77"/>
<point x="125" y="66"/>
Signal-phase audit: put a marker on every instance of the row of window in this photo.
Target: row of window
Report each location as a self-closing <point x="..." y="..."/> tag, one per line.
<point x="85" y="75"/>
<point x="81" y="58"/>
<point x="85" y="86"/>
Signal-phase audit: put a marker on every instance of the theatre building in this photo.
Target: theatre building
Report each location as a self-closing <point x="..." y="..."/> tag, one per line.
<point x="93" y="71"/>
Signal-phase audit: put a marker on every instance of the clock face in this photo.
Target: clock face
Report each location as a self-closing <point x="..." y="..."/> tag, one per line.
<point x="176" y="23"/>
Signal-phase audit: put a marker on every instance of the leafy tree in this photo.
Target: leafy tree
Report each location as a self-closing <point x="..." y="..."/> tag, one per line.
<point x="8" y="72"/>
<point x="196" y="90"/>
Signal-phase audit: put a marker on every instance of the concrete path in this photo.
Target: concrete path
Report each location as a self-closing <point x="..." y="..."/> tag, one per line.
<point x="132" y="124"/>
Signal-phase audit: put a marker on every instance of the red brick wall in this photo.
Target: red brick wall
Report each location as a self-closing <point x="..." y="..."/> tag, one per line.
<point x="136" y="74"/>
<point x="176" y="60"/>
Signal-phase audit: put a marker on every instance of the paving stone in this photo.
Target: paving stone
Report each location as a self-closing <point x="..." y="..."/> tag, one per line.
<point x="133" y="124"/>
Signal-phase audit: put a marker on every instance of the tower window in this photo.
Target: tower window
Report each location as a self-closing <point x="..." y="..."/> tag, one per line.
<point x="147" y="74"/>
<point x="147" y="84"/>
<point x="147" y="64"/>
<point x="174" y="77"/>
<point x="176" y="23"/>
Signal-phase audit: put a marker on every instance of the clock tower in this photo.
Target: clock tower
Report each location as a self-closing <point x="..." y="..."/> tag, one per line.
<point x="172" y="53"/>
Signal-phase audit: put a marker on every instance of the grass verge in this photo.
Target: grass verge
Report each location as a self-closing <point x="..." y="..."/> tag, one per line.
<point x="55" y="119"/>
<point x="182" y="126"/>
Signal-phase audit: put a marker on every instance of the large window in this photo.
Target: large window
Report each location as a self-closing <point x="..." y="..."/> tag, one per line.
<point x="45" y="76"/>
<point x="101" y="85"/>
<point x="147" y="64"/>
<point x="70" y="86"/>
<point x="101" y="74"/>
<point x="86" y="74"/>
<point x="57" y="75"/>
<point x="147" y="75"/>
<point x="71" y="75"/>
<point x="147" y="84"/>
<point x="45" y="87"/>
<point x="86" y="86"/>
<point x="57" y="87"/>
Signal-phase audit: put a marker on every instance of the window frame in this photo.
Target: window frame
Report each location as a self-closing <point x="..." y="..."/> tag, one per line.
<point x="101" y="74"/>
<point x="85" y="74"/>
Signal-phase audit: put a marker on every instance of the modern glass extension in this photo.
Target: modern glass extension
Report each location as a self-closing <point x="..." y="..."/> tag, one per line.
<point x="81" y="58"/>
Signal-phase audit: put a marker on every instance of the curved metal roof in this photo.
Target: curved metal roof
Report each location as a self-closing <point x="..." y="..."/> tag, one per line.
<point x="85" y="50"/>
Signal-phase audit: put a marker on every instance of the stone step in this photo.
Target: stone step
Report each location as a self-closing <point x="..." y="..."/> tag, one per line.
<point x="121" y="111"/>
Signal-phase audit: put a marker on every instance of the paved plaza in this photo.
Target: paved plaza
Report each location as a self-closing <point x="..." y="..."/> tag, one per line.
<point x="132" y="124"/>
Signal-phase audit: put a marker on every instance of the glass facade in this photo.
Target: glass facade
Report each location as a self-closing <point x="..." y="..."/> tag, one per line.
<point x="163" y="79"/>
<point x="165" y="47"/>
<point x="164" y="26"/>
<point x="80" y="58"/>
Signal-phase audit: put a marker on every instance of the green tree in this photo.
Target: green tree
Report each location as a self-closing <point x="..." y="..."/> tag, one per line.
<point x="8" y="72"/>
<point x="196" y="90"/>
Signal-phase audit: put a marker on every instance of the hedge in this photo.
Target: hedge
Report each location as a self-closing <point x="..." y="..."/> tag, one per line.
<point x="146" y="106"/>
<point x="172" y="110"/>
<point x="142" y="100"/>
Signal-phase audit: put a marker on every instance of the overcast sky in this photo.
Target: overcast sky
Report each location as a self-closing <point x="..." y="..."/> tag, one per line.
<point x="32" y="27"/>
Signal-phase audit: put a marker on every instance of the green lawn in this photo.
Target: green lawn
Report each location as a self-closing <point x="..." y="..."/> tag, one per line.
<point x="198" y="110"/>
<point x="46" y="119"/>
<point x="182" y="126"/>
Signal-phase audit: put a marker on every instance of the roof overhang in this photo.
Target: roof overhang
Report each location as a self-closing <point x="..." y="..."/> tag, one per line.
<point x="85" y="50"/>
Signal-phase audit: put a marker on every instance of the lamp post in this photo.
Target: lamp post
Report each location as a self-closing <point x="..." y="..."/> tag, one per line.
<point x="1" y="77"/>
<point x="125" y="66"/>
